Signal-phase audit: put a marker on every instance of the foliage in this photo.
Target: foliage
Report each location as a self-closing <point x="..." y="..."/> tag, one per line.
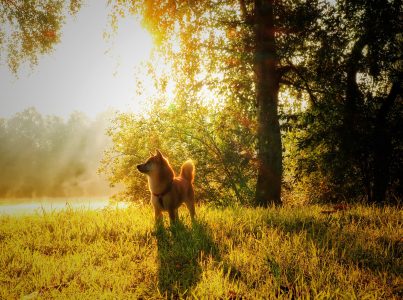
<point x="349" y="140"/>
<point x="31" y="28"/>
<point x="213" y="138"/>
<point x="337" y="78"/>
<point x="209" y="52"/>
<point x="227" y="253"/>
<point x="47" y="156"/>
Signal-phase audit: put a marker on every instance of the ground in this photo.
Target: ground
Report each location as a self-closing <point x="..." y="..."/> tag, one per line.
<point x="232" y="253"/>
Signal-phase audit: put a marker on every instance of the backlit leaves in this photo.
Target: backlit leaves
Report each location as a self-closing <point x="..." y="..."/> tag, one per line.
<point x="31" y="28"/>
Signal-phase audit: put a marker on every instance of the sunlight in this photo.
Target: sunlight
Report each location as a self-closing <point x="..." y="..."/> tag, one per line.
<point x="200" y="149"/>
<point x="90" y="70"/>
<point x="292" y="102"/>
<point x="131" y="47"/>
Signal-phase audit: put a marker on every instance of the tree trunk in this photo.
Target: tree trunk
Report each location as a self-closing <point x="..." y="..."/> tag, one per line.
<point x="351" y="148"/>
<point x="353" y="96"/>
<point x="268" y="188"/>
<point x="382" y="145"/>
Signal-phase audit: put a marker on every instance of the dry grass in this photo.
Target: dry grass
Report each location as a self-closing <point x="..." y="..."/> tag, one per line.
<point x="228" y="253"/>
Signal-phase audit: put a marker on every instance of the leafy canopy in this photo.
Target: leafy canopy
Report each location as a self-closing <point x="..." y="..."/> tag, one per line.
<point x="32" y="28"/>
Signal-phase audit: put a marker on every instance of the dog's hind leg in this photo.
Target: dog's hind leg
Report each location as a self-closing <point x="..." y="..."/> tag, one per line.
<point x="190" y="204"/>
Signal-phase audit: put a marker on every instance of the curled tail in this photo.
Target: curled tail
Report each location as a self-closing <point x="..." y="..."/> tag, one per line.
<point x="188" y="171"/>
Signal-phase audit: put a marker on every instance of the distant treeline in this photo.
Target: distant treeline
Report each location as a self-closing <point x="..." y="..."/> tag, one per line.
<point x="49" y="156"/>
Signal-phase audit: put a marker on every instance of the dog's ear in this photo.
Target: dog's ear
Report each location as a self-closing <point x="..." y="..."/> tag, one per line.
<point x="151" y="154"/>
<point x="159" y="154"/>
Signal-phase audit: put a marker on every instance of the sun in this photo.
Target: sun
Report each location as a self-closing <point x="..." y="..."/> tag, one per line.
<point x="93" y="69"/>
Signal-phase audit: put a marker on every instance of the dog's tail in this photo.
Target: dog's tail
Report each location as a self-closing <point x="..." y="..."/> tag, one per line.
<point x="188" y="171"/>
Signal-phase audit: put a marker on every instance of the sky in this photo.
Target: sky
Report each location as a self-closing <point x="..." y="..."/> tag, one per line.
<point x="85" y="72"/>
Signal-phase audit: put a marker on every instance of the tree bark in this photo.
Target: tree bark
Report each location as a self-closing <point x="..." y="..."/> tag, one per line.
<point x="382" y="145"/>
<point x="353" y="94"/>
<point x="268" y="187"/>
<point x="351" y="149"/>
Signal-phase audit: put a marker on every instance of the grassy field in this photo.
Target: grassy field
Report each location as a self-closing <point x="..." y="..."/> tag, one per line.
<point x="227" y="253"/>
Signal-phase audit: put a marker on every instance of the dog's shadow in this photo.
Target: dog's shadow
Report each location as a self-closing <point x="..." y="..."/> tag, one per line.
<point x="180" y="251"/>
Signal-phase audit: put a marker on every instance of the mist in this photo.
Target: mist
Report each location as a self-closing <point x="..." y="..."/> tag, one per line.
<point x="49" y="156"/>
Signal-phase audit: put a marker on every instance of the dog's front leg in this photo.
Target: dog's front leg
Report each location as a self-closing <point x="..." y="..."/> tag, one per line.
<point x="157" y="214"/>
<point x="172" y="215"/>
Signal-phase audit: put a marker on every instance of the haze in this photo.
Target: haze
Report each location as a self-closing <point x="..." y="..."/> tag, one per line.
<point x="85" y="72"/>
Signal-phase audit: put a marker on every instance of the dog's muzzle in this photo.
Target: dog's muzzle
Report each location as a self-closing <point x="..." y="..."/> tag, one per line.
<point x="142" y="168"/>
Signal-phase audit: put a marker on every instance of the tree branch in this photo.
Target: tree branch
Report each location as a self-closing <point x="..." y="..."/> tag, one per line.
<point x="281" y="71"/>
<point x="290" y="67"/>
<point x="244" y="12"/>
<point x="395" y="91"/>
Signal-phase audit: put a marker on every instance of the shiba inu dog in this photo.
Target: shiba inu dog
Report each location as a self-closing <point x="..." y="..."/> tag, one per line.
<point x="168" y="191"/>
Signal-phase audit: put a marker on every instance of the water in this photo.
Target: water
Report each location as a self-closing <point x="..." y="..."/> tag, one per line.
<point x="31" y="206"/>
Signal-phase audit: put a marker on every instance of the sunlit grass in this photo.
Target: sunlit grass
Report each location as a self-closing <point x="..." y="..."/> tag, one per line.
<point x="229" y="253"/>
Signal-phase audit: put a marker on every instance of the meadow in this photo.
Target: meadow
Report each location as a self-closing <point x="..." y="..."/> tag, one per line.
<point x="231" y="253"/>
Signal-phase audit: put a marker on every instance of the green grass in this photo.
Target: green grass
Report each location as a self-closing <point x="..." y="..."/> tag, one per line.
<point x="230" y="253"/>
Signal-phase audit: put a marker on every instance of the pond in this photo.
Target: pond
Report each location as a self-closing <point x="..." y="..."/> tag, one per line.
<point x="33" y="205"/>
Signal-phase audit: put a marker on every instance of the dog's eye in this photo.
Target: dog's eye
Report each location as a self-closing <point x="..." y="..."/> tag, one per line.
<point x="149" y="165"/>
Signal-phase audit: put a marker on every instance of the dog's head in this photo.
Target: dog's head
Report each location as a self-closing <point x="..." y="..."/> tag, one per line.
<point x="152" y="164"/>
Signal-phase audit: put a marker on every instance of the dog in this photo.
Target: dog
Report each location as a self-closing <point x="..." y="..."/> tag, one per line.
<point x="169" y="192"/>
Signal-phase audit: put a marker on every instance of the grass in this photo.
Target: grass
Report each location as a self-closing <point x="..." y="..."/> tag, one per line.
<point x="229" y="253"/>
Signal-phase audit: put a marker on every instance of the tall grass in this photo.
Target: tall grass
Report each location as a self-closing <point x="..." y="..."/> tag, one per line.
<point x="227" y="253"/>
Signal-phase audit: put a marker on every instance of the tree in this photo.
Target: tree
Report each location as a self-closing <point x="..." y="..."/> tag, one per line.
<point x="357" y="74"/>
<point x="239" y="51"/>
<point x="31" y="28"/>
<point x="213" y="138"/>
<point x="46" y="156"/>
